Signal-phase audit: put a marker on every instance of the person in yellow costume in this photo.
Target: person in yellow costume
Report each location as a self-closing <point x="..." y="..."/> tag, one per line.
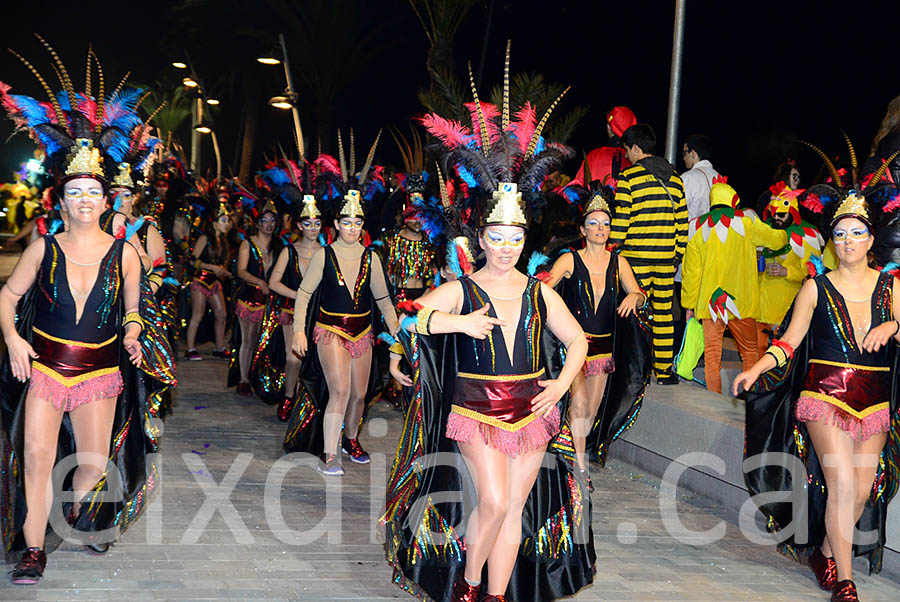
<point x="719" y="284"/>
<point x="785" y="268"/>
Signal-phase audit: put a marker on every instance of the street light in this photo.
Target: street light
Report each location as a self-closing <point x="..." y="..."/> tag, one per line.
<point x="189" y="82"/>
<point x="288" y="100"/>
<point x="212" y="101"/>
<point x="179" y="65"/>
<point x="284" y="101"/>
<point x="268" y="60"/>
<point x="203" y="128"/>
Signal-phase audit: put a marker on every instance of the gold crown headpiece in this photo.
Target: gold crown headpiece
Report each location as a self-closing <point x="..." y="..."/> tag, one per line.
<point x="505" y="207"/>
<point x="852" y="205"/>
<point x="123" y="178"/>
<point x="84" y="160"/>
<point x="224" y="209"/>
<point x="352" y="205"/>
<point x="597" y="203"/>
<point x="310" y="209"/>
<point x="269" y="207"/>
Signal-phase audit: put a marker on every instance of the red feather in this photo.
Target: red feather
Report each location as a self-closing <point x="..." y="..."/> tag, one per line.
<point x="327" y="164"/>
<point x="409" y="307"/>
<point x="88" y="108"/>
<point x="524" y="126"/>
<point x="543" y="276"/>
<point x="120" y="233"/>
<point x="367" y="240"/>
<point x="451" y="133"/>
<point x="813" y="203"/>
<point x="491" y="114"/>
<point x="158" y="261"/>
<point x="464" y="263"/>
<point x="811" y="269"/>
<point x="41" y="225"/>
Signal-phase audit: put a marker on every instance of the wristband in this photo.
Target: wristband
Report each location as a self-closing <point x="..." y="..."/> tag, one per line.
<point x="133" y="317"/>
<point x="788" y="350"/>
<point x="423" y="320"/>
<point x="780" y="355"/>
<point x="898" y="328"/>
<point x="396" y="348"/>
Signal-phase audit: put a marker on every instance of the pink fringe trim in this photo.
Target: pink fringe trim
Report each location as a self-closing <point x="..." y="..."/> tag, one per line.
<point x="254" y="316"/>
<point x="355" y="349"/>
<point x="285" y="318"/>
<point x="69" y="398"/>
<point x="538" y="433"/>
<point x="601" y="365"/>
<point x="196" y="287"/>
<point x="810" y="409"/>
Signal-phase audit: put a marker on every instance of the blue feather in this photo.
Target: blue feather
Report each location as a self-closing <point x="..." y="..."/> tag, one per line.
<point x="377" y="243"/>
<point x="536" y="260"/>
<point x="817" y="262"/>
<point x="566" y="250"/>
<point x="117" y="203"/>
<point x="408" y="322"/>
<point x="276" y="177"/>
<point x="171" y="281"/>
<point x="437" y="278"/>
<point x="890" y="267"/>
<point x="55" y="226"/>
<point x="132" y="229"/>
<point x="467" y="176"/>
<point x="453" y="259"/>
<point x="322" y="240"/>
<point x="570" y="194"/>
<point x="387" y="338"/>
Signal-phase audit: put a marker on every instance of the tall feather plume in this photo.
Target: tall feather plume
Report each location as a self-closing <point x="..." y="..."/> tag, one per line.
<point x="60" y="116"/>
<point x="835" y="176"/>
<point x="526" y="122"/>
<point x="120" y="84"/>
<point x="63" y="74"/>
<point x="369" y="158"/>
<point x="87" y="72"/>
<point x="341" y="157"/>
<point x="145" y="128"/>
<point x="853" y="161"/>
<point x="451" y="133"/>
<point x="403" y="146"/>
<point x="504" y="118"/>
<point x="879" y="173"/>
<point x="418" y="150"/>
<point x="318" y="146"/>
<point x="532" y="144"/>
<point x="352" y="154"/>
<point x="100" y="90"/>
<point x="482" y="126"/>
<point x="290" y="172"/>
<point x="445" y="198"/>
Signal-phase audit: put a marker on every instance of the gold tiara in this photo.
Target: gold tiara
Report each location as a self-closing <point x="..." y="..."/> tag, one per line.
<point x="506" y="208"/>
<point x="310" y="209"/>
<point x="123" y="178"/>
<point x="84" y="160"/>
<point x="598" y="203"/>
<point x="352" y="205"/>
<point x="853" y="205"/>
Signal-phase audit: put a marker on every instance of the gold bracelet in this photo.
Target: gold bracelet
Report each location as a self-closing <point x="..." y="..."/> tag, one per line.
<point x="423" y="319"/>
<point x="134" y="317"/>
<point x="396" y="348"/>
<point x="155" y="278"/>
<point x="780" y="355"/>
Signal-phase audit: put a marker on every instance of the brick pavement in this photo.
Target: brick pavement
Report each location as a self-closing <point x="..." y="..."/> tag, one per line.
<point x="214" y="431"/>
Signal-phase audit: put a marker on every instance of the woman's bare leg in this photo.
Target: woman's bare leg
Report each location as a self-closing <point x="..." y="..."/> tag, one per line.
<point x="42" y="422"/>
<point x="198" y="307"/>
<point x="359" y="384"/>
<point x="488" y="468"/>
<point x="521" y="472"/>
<point x="249" y="339"/>
<point x="834" y="448"/>
<point x="335" y="360"/>
<point x="291" y="363"/>
<point x="217" y="302"/>
<point x="587" y="395"/>
<point x="92" y="426"/>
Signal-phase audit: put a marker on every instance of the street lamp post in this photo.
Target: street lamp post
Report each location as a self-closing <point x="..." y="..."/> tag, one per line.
<point x="298" y="131"/>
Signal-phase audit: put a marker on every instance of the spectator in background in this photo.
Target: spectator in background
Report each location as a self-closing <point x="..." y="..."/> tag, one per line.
<point x="786" y="172"/>
<point x="720" y="285"/>
<point x="651" y="225"/>
<point x="607" y="161"/>
<point x="885" y="144"/>
<point x="699" y="176"/>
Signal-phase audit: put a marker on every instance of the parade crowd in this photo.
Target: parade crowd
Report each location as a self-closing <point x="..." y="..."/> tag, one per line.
<point x="513" y="315"/>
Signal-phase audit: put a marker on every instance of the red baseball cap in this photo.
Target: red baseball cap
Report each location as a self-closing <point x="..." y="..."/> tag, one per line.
<point x="620" y="119"/>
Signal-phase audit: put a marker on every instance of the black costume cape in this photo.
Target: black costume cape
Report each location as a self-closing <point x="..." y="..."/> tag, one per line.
<point x="304" y="429"/>
<point x="626" y="384"/>
<point x="430" y="494"/>
<point x="772" y="429"/>
<point x="133" y="447"/>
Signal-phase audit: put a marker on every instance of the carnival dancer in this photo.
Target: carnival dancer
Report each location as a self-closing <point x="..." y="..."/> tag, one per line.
<point x="594" y="279"/>
<point x="287" y="274"/>
<point x="211" y="256"/>
<point x="256" y="257"/>
<point x="720" y="286"/>
<point x="836" y="356"/>
<point x="785" y="268"/>
<point x="350" y="278"/>
<point x="70" y="306"/>
<point x="485" y="408"/>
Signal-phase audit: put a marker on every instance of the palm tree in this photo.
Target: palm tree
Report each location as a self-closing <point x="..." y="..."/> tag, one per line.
<point x="170" y="117"/>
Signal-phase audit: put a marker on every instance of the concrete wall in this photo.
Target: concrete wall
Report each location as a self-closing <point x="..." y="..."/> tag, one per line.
<point x="676" y="420"/>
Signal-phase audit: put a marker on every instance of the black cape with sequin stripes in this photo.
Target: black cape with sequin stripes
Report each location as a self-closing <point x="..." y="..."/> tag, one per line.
<point x="625" y="386"/>
<point x="304" y="430"/>
<point x="771" y="428"/>
<point x="430" y="495"/>
<point x="133" y="447"/>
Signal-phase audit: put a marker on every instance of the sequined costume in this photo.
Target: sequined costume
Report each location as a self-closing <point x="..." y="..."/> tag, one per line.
<point x="595" y="316"/>
<point x="343" y="315"/>
<point x="205" y="282"/>
<point x="78" y="361"/>
<point x="251" y="301"/>
<point x="293" y="276"/>
<point x="409" y="260"/>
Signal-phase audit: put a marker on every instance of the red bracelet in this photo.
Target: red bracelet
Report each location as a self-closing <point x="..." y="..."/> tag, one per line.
<point x="784" y="347"/>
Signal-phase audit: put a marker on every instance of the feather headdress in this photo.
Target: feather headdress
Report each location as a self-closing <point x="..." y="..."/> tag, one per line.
<point x="77" y="131"/>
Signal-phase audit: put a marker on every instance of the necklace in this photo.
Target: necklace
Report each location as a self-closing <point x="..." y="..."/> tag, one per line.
<point x="84" y="265"/>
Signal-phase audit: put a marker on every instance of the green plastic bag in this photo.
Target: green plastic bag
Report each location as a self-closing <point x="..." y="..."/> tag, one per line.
<point x="691" y="349"/>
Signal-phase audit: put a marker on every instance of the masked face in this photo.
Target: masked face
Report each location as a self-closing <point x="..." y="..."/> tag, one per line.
<point x="310" y="227"/>
<point x="267" y="223"/>
<point x="349" y="228"/>
<point x="503" y="245"/>
<point x="124" y="198"/>
<point x="852" y="240"/>
<point x="596" y="227"/>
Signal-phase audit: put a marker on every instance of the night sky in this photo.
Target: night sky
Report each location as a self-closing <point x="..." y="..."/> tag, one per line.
<point x="756" y="75"/>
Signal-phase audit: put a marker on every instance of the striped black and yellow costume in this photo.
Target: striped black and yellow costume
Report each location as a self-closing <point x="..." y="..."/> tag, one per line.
<point x="651" y="223"/>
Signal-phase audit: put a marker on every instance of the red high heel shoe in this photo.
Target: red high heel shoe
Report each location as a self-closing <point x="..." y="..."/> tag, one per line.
<point x="463" y="592"/>
<point x="825" y="569"/>
<point x="844" y="591"/>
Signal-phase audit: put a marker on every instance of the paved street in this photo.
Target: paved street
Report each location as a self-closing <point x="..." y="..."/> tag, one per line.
<point x="249" y="555"/>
